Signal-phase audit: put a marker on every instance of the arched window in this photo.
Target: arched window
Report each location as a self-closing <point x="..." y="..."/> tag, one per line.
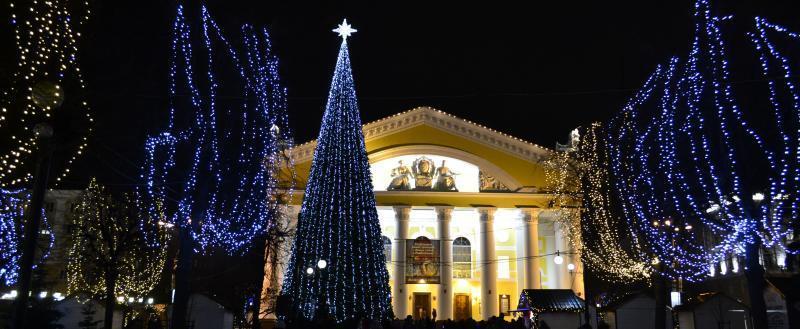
<point x="462" y="258"/>
<point x="387" y="248"/>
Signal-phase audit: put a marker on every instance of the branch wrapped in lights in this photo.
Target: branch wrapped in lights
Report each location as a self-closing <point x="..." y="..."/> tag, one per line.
<point x="47" y="46"/>
<point x="580" y="175"/>
<point x="682" y="150"/>
<point x="114" y="240"/>
<point x="337" y="266"/>
<point x="643" y="183"/>
<point x="223" y="157"/>
<point x="13" y="207"/>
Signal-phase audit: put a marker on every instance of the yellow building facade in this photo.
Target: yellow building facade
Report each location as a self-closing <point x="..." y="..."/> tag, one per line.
<point x="463" y="212"/>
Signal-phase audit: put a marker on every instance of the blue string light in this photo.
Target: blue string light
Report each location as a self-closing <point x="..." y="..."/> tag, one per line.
<point x="222" y="154"/>
<point x="13" y="206"/>
<point x="691" y="146"/>
<point x="338" y="221"/>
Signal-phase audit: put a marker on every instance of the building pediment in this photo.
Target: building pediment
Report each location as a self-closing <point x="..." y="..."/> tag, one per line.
<point x="445" y="122"/>
<point x="507" y="163"/>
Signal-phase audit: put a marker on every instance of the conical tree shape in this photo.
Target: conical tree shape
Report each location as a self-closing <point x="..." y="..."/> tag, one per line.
<point x="338" y="221"/>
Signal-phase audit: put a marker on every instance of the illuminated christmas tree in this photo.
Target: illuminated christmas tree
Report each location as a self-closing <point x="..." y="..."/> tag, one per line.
<point x="337" y="267"/>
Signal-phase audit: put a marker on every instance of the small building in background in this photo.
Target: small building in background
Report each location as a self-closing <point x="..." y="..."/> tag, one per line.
<point x="75" y="310"/>
<point x="205" y="313"/>
<point x="559" y="308"/>
<point x="633" y="311"/>
<point x="713" y="310"/>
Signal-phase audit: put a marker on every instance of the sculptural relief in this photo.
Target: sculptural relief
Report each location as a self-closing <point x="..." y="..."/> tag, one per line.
<point x="489" y="183"/>
<point x="445" y="178"/>
<point x="401" y="176"/>
<point x="424" y="171"/>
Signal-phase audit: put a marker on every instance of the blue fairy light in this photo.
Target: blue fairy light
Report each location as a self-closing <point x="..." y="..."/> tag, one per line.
<point x="221" y="154"/>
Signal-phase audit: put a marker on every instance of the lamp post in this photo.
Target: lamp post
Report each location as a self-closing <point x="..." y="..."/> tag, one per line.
<point x="321" y="266"/>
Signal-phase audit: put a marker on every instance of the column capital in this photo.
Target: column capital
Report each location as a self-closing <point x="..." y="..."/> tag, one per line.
<point x="486" y="212"/>
<point x="529" y="214"/>
<point x="443" y="210"/>
<point x="402" y="212"/>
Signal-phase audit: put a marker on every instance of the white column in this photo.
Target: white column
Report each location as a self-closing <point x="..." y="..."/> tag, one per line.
<point x="276" y="261"/>
<point x="530" y="221"/>
<point x="399" y="291"/>
<point x="445" y="309"/>
<point x="563" y="279"/>
<point x="488" y="264"/>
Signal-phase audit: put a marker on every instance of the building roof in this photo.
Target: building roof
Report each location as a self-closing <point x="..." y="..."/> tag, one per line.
<point x="429" y="116"/>
<point x="514" y="164"/>
<point x="550" y="300"/>
<point x="620" y="301"/>
<point x="701" y="298"/>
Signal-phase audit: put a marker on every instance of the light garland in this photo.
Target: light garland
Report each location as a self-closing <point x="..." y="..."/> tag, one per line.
<point x="643" y="176"/>
<point x="114" y="237"/>
<point x="14" y="206"/>
<point x="338" y="220"/>
<point x="784" y="187"/>
<point x="594" y="230"/>
<point x="678" y="152"/>
<point x="47" y="46"/>
<point x="227" y="196"/>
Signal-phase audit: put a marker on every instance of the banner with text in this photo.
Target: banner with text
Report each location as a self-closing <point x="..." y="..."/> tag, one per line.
<point x="422" y="261"/>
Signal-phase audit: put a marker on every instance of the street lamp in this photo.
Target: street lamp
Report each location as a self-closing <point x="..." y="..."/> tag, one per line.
<point x="558" y="259"/>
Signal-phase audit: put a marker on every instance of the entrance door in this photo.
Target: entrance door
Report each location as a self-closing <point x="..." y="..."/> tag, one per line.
<point x="463" y="307"/>
<point x="422" y="305"/>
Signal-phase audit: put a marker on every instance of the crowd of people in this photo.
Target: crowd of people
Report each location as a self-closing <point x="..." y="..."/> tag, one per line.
<point x="429" y="323"/>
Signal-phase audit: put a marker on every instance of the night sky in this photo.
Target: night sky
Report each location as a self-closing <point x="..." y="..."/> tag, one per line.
<point x="534" y="72"/>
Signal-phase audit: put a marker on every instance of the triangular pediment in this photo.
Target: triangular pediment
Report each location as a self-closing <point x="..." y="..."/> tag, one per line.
<point x="443" y="122"/>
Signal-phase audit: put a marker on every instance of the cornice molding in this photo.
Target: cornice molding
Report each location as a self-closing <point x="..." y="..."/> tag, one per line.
<point x="446" y="122"/>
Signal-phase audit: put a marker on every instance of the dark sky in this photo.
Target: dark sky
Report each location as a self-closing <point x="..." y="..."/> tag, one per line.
<point x="530" y="69"/>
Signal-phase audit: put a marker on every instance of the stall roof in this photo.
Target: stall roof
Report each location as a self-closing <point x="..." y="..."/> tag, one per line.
<point x="701" y="298"/>
<point x="550" y="300"/>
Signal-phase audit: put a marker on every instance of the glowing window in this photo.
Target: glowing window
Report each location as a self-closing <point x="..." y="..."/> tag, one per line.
<point x="462" y="258"/>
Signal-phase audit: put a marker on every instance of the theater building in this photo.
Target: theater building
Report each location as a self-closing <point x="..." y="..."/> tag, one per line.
<point x="464" y="215"/>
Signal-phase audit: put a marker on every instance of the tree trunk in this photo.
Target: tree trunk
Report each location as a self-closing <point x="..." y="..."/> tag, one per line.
<point x="31" y="236"/>
<point x="183" y="274"/>
<point x="111" y="285"/>
<point x="754" y="273"/>
<point x="660" y="295"/>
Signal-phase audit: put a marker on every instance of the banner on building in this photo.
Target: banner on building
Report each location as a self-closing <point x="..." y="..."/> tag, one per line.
<point x="422" y="261"/>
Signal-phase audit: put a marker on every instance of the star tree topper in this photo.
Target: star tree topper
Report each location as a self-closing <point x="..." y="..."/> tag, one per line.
<point x="345" y="30"/>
